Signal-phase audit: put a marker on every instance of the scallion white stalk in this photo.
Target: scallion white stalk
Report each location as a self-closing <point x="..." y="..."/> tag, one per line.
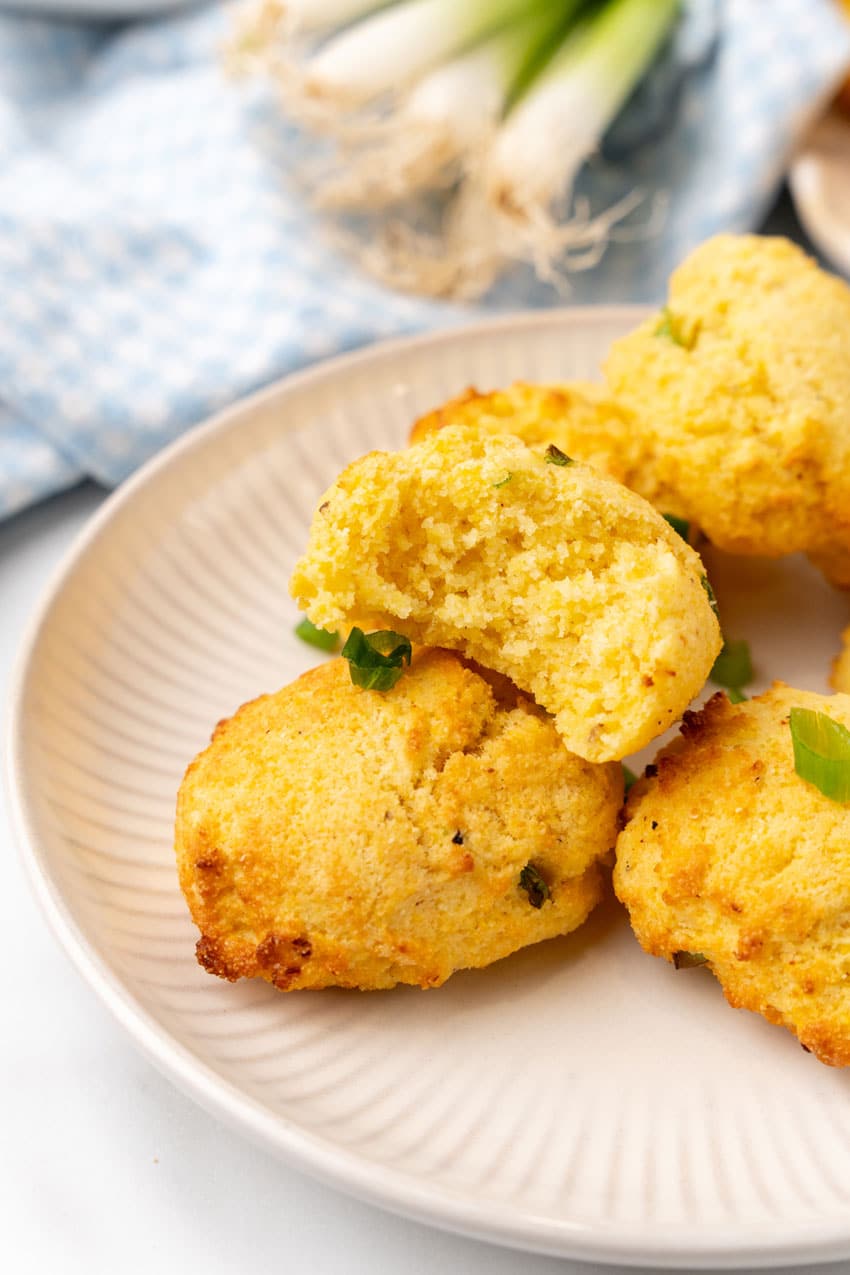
<point x="538" y="152"/>
<point x="446" y="120"/>
<point x="389" y="50"/>
<point x="325" y="15"/>
<point x="265" y="30"/>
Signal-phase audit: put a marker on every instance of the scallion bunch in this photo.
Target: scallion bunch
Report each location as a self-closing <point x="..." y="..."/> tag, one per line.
<point x="496" y="103"/>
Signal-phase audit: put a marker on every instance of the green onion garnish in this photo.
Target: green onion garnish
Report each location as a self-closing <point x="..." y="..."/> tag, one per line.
<point x="821" y="752"/>
<point x="671" y="328"/>
<point x="322" y="638"/>
<point x="554" y="456"/>
<point x="706" y="584"/>
<point x="688" y="960"/>
<point x="629" y="778"/>
<point x="680" y="525"/>
<point x="665" y="327"/>
<point x="733" y="668"/>
<point x="535" y="887"/>
<point x="503" y="482"/>
<point x="376" y="660"/>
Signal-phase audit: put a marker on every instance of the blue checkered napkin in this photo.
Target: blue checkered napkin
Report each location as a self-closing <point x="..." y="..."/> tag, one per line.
<point x="155" y="264"/>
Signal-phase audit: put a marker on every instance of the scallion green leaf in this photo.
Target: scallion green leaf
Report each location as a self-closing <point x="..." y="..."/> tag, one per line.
<point x="376" y="660"/>
<point x="821" y="752"/>
<point x="535" y="887"/>
<point x="688" y="960"/>
<point x="670" y="327"/>
<point x="680" y="525"/>
<point x="706" y="584"/>
<point x="322" y="638"/>
<point x="629" y="777"/>
<point x="554" y="456"/>
<point x="733" y="668"/>
<point x="503" y="482"/>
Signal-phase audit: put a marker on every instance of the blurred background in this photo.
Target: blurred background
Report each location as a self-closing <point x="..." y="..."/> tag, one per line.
<point x="197" y="199"/>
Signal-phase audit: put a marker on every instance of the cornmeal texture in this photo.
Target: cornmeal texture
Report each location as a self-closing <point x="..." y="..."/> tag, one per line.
<point x="580" y="418"/>
<point x="740" y="390"/>
<point x="727" y="852"/>
<point x="332" y="836"/>
<point x="555" y="576"/>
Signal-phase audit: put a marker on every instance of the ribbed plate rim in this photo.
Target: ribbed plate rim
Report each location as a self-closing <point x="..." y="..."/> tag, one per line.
<point x="804" y="178"/>
<point x="731" y="1247"/>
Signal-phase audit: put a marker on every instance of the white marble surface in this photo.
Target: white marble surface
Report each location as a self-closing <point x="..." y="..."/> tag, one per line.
<point x="105" y="1167"/>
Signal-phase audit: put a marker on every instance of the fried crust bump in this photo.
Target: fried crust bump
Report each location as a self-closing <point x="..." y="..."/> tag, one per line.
<point x="332" y="836"/>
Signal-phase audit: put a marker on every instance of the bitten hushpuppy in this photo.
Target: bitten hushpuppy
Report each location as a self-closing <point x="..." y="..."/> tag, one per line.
<point x="531" y="564"/>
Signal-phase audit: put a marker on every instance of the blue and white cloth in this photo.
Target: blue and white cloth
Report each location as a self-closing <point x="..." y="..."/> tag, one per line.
<point x="156" y="264"/>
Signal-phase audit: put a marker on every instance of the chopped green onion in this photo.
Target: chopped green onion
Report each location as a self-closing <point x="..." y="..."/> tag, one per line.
<point x="821" y="752"/>
<point x="671" y="328"/>
<point x="665" y="327"/>
<point x="680" y="525"/>
<point x="629" y="778"/>
<point x="535" y="887"/>
<point x="376" y="660"/>
<point x="554" y="456"/>
<point x="503" y="482"/>
<point x="706" y="584"/>
<point x="733" y="668"/>
<point x="688" y="960"/>
<point x="322" y="638"/>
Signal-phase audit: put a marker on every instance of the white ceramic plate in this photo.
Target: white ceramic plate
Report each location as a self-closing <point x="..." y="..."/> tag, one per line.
<point x="579" y="1098"/>
<point x="820" y="187"/>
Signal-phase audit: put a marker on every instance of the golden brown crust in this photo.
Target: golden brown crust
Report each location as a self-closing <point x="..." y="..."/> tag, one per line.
<point x="580" y="418"/>
<point x="728" y="852"/>
<point x="334" y="836"/>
